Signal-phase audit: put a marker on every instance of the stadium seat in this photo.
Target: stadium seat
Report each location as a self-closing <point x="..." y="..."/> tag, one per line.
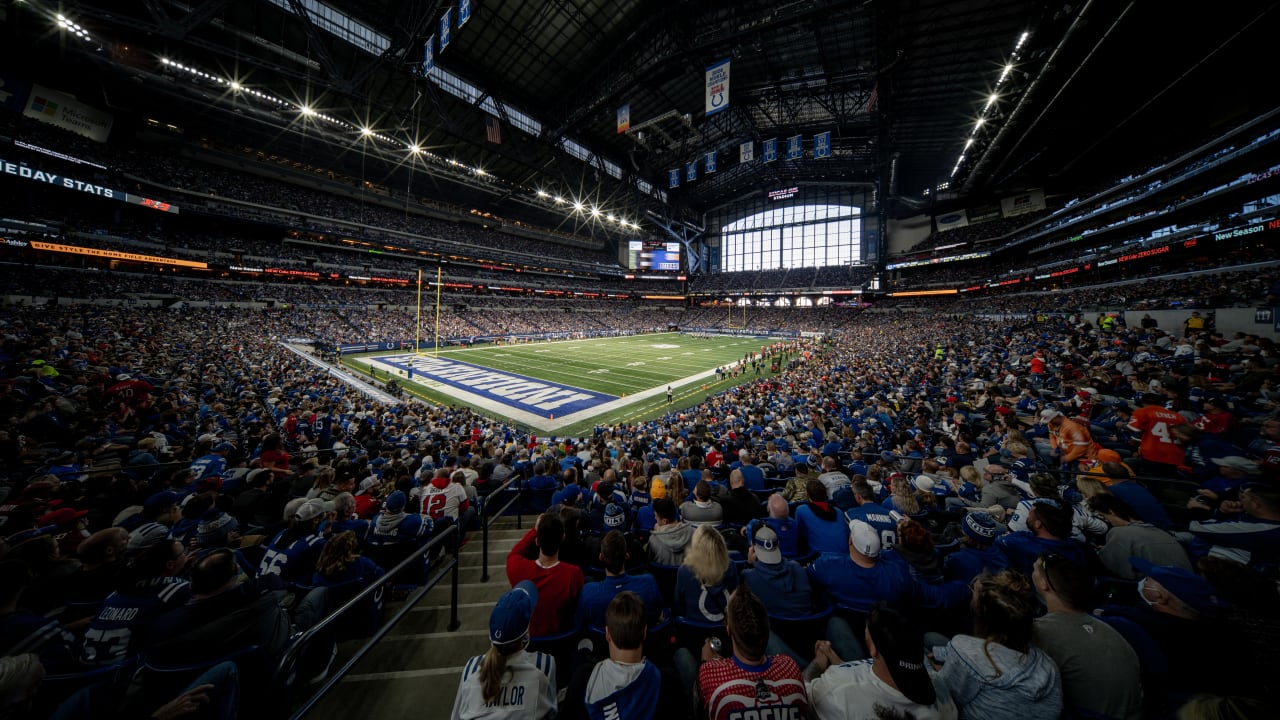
<point x="800" y="632"/>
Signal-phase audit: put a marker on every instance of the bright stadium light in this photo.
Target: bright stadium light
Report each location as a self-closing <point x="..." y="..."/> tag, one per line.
<point x="542" y="194"/>
<point x="559" y="200"/>
<point x="306" y="110"/>
<point x="415" y="149"/>
<point x="577" y="206"/>
<point x="365" y="132"/>
<point x="595" y="211"/>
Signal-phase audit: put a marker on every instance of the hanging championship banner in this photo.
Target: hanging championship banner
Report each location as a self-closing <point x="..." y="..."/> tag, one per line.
<point x="709" y="161"/>
<point x="429" y="55"/>
<point x="464" y="12"/>
<point x="717" y="87"/>
<point x="624" y="118"/>
<point x="746" y="152"/>
<point x="445" y="22"/>
<point x="795" y="147"/>
<point x="769" y="151"/>
<point x="822" y="145"/>
<point x="691" y="171"/>
<point x="673" y="178"/>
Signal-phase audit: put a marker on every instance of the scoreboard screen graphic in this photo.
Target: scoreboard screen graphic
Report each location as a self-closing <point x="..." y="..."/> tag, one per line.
<point x="653" y="255"/>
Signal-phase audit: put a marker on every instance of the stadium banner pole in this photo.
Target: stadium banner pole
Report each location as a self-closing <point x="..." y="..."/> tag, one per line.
<point x="417" y="329"/>
<point x="439" y="270"/>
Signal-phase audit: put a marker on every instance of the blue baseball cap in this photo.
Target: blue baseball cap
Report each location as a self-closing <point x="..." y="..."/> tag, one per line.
<point x="396" y="501"/>
<point x="510" y="618"/>
<point x="1199" y="594"/>
<point x="161" y="500"/>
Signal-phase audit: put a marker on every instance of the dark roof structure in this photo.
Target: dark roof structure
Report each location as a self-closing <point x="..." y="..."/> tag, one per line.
<point x="1068" y="92"/>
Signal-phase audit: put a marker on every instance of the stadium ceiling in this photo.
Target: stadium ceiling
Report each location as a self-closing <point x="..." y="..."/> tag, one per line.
<point x="899" y="83"/>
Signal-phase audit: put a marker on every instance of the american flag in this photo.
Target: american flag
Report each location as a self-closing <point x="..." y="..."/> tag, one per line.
<point x="493" y="130"/>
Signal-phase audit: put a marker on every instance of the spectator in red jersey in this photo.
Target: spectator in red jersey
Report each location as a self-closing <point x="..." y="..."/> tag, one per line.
<point x="1158" y="449"/>
<point x="537" y="557"/>
<point x="749" y="683"/>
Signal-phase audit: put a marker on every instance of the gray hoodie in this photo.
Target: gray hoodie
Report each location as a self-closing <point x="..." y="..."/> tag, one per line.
<point x="667" y="544"/>
<point x="1020" y="686"/>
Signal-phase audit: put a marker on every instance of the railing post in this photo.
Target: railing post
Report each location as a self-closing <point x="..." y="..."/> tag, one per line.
<point x="454" y="623"/>
<point x="484" y="549"/>
<point x="520" y="494"/>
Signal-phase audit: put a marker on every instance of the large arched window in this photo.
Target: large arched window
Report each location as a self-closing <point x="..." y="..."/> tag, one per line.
<point x="792" y="237"/>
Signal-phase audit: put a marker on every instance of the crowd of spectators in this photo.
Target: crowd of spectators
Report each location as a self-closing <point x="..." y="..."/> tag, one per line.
<point x="199" y="420"/>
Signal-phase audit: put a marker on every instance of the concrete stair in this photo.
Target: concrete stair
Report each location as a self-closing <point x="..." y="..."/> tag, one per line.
<point x="414" y="670"/>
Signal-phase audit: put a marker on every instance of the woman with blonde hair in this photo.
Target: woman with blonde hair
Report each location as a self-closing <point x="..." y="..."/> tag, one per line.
<point x="706" y="578"/>
<point x="508" y="681"/>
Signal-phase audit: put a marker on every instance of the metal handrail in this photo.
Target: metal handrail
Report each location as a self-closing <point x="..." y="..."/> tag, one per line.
<point x="301" y="639"/>
<point x="486" y="518"/>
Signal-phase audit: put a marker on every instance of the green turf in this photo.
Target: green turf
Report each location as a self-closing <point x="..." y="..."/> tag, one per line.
<point x="616" y="366"/>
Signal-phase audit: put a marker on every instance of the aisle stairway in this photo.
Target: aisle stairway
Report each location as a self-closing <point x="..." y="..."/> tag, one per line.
<point x="414" y="670"/>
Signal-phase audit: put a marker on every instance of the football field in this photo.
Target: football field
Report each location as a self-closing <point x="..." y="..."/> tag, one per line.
<point x="569" y="386"/>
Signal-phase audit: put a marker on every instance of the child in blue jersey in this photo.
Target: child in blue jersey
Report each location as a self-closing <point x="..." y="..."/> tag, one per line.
<point x="293" y="552"/>
<point x="626" y="686"/>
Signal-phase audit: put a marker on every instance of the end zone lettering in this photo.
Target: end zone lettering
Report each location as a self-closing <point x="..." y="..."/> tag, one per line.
<point x="516" y="391"/>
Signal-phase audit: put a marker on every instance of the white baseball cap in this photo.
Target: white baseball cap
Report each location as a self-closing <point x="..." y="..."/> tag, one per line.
<point x="865" y="539"/>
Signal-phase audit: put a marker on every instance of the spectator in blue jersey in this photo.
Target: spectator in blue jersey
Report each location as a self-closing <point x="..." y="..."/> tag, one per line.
<point x="915" y="548"/>
<point x="1022" y="462"/>
<point x="225" y="616"/>
<point x="1048" y="531"/>
<point x="1246" y="531"/>
<point x="996" y="672"/>
<point x="213" y="464"/>
<point x="341" y="564"/>
<point x="783" y="525"/>
<point x="1121" y="484"/>
<point x="150" y="587"/>
<point x="858" y="579"/>
<point x="22" y="631"/>
<point x="542" y="480"/>
<point x="977" y="552"/>
<point x="748" y="473"/>
<point x="293" y="552"/>
<point x="625" y="686"/>
<point x="705" y="578"/>
<point x="595" y="597"/>
<point x="781" y="584"/>
<point x="872" y="513"/>
<point x="569" y="496"/>
<point x="823" y="528"/>
<point x="393" y="525"/>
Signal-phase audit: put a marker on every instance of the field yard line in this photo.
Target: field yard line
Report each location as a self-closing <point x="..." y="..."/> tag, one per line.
<point x="522" y="362"/>
<point x="608" y="358"/>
